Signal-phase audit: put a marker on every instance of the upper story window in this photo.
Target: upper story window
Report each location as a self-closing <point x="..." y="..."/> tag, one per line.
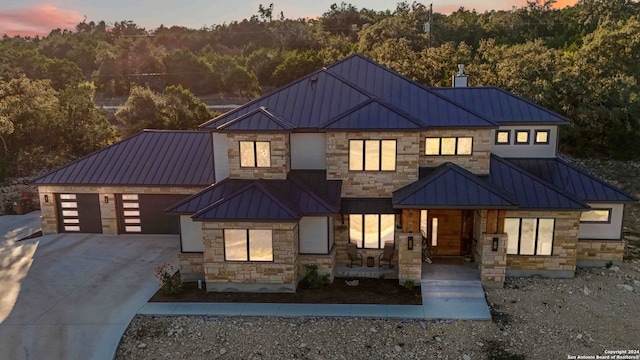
<point x="522" y="137"/>
<point x="529" y="236"/>
<point x="248" y="245"/>
<point x="448" y="146"/>
<point x="372" y="155"/>
<point x="255" y="154"/>
<point x="503" y="137"/>
<point x="596" y="216"/>
<point x="541" y="137"/>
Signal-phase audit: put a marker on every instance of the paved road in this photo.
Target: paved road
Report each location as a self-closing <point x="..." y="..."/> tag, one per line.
<point x="72" y="296"/>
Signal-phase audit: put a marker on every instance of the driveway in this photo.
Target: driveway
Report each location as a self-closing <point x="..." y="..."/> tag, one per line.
<point x="72" y="296"/>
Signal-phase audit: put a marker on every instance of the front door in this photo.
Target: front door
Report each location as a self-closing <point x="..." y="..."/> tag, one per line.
<point x="444" y="232"/>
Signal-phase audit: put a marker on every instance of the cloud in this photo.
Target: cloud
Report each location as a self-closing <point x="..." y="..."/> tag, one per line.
<point x="37" y="20"/>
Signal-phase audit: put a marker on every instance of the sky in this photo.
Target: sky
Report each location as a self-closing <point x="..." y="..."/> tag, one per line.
<point x="36" y="17"/>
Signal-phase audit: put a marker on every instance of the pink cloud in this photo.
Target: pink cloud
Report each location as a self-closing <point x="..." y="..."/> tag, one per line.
<point x="37" y="20"/>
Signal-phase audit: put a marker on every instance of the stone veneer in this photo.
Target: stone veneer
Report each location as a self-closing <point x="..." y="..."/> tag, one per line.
<point x="279" y="275"/>
<point x="325" y="263"/>
<point x="599" y="252"/>
<point x="280" y="153"/>
<point x="409" y="261"/>
<point x="108" y="211"/>
<point x="477" y="162"/>
<point x="372" y="183"/>
<point x="562" y="262"/>
<point x="492" y="264"/>
<point x="191" y="266"/>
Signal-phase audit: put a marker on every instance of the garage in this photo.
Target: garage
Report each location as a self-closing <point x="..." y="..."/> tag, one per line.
<point x="79" y="213"/>
<point x="144" y="213"/>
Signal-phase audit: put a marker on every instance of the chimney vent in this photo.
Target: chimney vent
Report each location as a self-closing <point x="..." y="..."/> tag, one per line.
<point x="460" y="80"/>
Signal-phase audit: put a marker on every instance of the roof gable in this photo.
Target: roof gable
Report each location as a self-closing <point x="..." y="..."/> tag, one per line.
<point x="259" y="118"/>
<point x="373" y="115"/>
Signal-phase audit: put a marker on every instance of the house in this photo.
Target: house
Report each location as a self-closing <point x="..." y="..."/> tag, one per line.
<point x="350" y="153"/>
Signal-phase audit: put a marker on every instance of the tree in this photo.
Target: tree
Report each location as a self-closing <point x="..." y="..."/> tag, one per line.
<point x="297" y="64"/>
<point x="183" y="110"/>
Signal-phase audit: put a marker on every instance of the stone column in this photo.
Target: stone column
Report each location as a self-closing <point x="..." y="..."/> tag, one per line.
<point x="409" y="261"/>
<point x="492" y="264"/>
<point x="108" y="213"/>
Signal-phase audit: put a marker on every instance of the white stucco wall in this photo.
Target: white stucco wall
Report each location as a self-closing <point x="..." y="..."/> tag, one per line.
<point x="314" y="237"/>
<point x="531" y="150"/>
<point x="608" y="231"/>
<point x="191" y="234"/>
<point x="220" y="156"/>
<point x="308" y="151"/>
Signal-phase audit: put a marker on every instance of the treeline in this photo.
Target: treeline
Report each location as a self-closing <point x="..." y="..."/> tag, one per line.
<point x="581" y="61"/>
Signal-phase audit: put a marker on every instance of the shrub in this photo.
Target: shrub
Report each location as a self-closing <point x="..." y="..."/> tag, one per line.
<point x="609" y="264"/>
<point x="169" y="283"/>
<point x="313" y="279"/>
<point x="409" y="284"/>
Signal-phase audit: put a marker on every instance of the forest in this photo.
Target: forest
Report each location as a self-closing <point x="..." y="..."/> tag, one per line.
<point x="582" y="61"/>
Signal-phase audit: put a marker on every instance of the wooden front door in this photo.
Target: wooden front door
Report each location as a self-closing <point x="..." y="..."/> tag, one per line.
<point x="445" y="232"/>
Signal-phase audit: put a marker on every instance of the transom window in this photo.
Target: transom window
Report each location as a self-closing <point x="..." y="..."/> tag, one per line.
<point x="372" y="155"/>
<point x="448" y="146"/>
<point x="529" y="236"/>
<point x="522" y="137"/>
<point x="371" y="231"/>
<point x="248" y="245"/>
<point x="541" y="137"/>
<point x="503" y="137"/>
<point x="255" y="154"/>
<point x="596" y="216"/>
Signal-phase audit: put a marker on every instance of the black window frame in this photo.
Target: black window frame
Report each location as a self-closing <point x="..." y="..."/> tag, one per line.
<point x="440" y="145"/>
<point x="364" y="157"/>
<point x="535" y="136"/>
<point x="255" y="153"/>
<point x="224" y="247"/>
<point x="535" y="244"/>
<point x="380" y="244"/>
<point x="609" y="210"/>
<point x="515" y="137"/>
<point x="508" y="137"/>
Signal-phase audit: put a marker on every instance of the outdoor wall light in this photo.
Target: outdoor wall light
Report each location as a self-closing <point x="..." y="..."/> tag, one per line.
<point x="494" y="245"/>
<point x="410" y="243"/>
<point x="46" y="198"/>
<point x="106" y="199"/>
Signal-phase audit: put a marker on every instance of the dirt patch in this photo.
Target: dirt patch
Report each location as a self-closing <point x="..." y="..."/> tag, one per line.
<point x="368" y="291"/>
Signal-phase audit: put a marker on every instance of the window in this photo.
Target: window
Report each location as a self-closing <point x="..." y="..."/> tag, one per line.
<point x="522" y="137"/>
<point x="529" y="236"/>
<point x="372" y="155"/>
<point x="541" y="137"/>
<point x="248" y="245"/>
<point x="448" y="146"/>
<point x="503" y="137"/>
<point x="255" y="154"/>
<point x="371" y="231"/>
<point x="596" y="216"/>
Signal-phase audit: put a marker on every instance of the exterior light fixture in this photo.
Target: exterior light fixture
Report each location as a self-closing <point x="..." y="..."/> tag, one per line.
<point x="494" y="244"/>
<point x="106" y="199"/>
<point x="46" y="198"/>
<point x="410" y="243"/>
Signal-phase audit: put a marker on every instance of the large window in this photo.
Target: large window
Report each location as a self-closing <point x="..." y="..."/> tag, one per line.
<point x="448" y="146"/>
<point x="529" y="236"/>
<point x="255" y="154"/>
<point x="602" y="216"/>
<point x="248" y="245"/>
<point x="371" y="231"/>
<point x="372" y="155"/>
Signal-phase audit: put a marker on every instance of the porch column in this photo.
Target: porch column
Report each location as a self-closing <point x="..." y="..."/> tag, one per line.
<point x="409" y="261"/>
<point x="492" y="263"/>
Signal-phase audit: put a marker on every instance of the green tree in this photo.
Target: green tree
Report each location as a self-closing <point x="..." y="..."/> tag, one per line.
<point x="183" y="110"/>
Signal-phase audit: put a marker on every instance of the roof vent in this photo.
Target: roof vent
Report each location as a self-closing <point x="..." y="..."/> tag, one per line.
<point x="460" y="80"/>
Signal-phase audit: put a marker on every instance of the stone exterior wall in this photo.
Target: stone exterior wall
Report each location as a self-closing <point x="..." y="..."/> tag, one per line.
<point x="409" y="261"/>
<point x="108" y="211"/>
<point x="492" y="264"/>
<point x="325" y="263"/>
<point x="191" y="266"/>
<point x="279" y="275"/>
<point x="372" y="183"/>
<point x="280" y="156"/>
<point x="599" y="252"/>
<point x="565" y="243"/>
<point x="477" y="162"/>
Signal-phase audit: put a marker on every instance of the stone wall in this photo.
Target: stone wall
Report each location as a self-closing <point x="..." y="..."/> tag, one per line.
<point x="477" y="163"/>
<point x="492" y="264"/>
<point x="409" y="261"/>
<point x="107" y="210"/>
<point x="563" y="258"/>
<point x="599" y="252"/>
<point x="279" y="275"/>
<point x="191" y="266"/>
<point x="372" y="183"/>
<point x="280" y="153"/>
<point x="325" y="263"/>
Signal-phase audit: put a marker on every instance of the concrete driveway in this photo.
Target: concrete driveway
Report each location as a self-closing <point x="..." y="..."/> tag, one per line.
<point x="72" y="296"/>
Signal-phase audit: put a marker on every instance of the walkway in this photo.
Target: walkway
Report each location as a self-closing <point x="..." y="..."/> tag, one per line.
<point x="441" y="299"/>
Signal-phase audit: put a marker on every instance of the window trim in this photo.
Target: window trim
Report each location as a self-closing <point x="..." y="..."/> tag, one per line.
<point x="440" y="145"/>
<point x="380" y="243"/>
<point x="535" y="243"/>
<point x="608" y="221"/>
<point x="508" y="142"/>
<point x="535" y="136"/>
<point x="247" y="241"/>
<point x="255" y="153"/>
<point x="515" y="137"/>
<point x="364" y="157"/>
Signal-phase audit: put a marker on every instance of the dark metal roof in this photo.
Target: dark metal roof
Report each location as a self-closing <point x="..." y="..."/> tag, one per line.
<point x="259" y="118"/>
<point x="574" y="180"/>
<point x="362" y="117"/>
<point x="151" y="157"/>
<point x="367" y="206"/>
<point x="208" y="196"/>
<point x="452" y="187"/>
<point x="500" y="106"/>
<point x="530" y="191"/>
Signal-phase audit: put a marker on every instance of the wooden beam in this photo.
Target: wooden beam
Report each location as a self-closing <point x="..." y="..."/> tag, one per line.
<point x="501" y="216"/>
<point x="416" y="221"/>
<point x="405" y="220"/>
<point x="491" y="221"/>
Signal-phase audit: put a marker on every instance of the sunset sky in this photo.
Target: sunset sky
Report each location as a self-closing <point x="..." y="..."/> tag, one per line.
<point x="33" y="17"/>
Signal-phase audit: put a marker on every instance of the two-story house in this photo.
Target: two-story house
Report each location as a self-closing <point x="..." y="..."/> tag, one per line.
<point x="351" y="153"/>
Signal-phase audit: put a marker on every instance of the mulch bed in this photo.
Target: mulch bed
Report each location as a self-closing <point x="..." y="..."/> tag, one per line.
<point x="368" y="291"/>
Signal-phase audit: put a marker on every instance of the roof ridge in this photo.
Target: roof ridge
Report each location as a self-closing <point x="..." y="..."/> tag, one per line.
<point x="285" y="125"/>
<point x="602" y="182"/>
<point x="427" y="180"/>
<point x="531" y="103"/>
<point x="485" y="184"/>
<point x="196" y="195"/>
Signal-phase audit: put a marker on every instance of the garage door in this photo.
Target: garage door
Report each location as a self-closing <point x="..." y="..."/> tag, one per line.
<point x="79" y="213"/>
<point x="144" y="214"/>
